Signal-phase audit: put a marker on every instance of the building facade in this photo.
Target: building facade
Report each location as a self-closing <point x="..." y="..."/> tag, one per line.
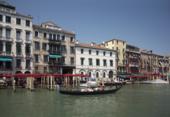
<point x="146" y="61"/>
<point x="163" y="65"/>
<point x="15" y="40"/>
<point x="40" y="47"/>
<point x="132" y="59"/>
<point x="96" y="61"/>
<point x="54" y="49"/>
<point x="120" y="47"/>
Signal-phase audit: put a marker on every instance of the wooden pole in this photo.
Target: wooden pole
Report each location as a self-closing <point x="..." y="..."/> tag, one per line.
<point x="48" y="82"/>
<point x="32" y="83"/>
<point x="73" y="81"/>
<point x="51" y="83"/>
<point x="13" y="84"/>
<point x="41" y="82"/>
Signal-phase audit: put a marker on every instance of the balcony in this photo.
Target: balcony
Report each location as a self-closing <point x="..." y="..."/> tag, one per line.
<point x="19" y="40"/>
<point x="28" y="67"/>
<point x="51" y="64"/>
<point x="4" y="69"/>
<point x="55" y="41"/>
<point x="2" y="38"/>
<point x="7" y="53"/>
<point x="28" y="55"/>
<point x="6" y="38"/>
<point x="18" y="67"/>
<point x="28" y="40"/>
<point x="19" y="54"/>
<point x="54" y="52"/>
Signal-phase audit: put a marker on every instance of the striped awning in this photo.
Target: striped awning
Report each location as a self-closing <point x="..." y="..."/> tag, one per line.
<point x="55" y="56"/>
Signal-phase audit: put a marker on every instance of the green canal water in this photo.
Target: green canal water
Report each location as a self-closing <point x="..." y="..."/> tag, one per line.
<point x="129" y="101"/>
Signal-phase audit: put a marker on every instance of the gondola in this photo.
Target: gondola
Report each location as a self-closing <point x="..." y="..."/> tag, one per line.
<point x="80" y="91"/>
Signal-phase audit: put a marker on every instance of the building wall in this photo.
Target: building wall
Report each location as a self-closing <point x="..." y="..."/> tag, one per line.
<point x="68" y="45"/>
<point x="41" y="66"/>
<point x="59" y="42"/>
<point x="132" y="59"/>
<point x="120" y="47"/>
<point x="86" y="68"/>
<point x="13" y="27"/>
<point x="146" y="62"/>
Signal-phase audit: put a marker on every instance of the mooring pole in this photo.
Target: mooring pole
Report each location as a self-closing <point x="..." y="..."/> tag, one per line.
<point x="51" y="83"/>
<point x="13" y="84"/>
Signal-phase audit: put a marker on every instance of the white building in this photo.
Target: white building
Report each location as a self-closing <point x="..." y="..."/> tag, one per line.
<point x="15" y="40"/>
<point x="96" y="61"/>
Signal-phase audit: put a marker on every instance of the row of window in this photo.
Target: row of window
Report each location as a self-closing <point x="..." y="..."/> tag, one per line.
<point x="97" y="74"/>
<point x="37" y="58"/>
<point x="90" y="62"/>
<point x="8" y="48"/>
<point x="18" y="20"/>
<point x="46" y="59"/>
<point x="53" y="48"/>
<point x="8" y="65"/>
<point x="27" y="35"/>
<point x="114" y="41"/>
<point x="27" y="64"/>
<point x="97" y="52"/>
<point x="53" y="36"/>
<point x="18" y="33"/>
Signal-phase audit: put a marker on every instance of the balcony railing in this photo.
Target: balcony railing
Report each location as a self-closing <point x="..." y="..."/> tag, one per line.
<point x="19" y="67"/>
<point x="19" y="53"/>
<point x="28" y="54"/>
<point x="28" y="67"/>
<point x="6" y="38"/>
<point x="55" y="52"/>
<point x="28" y="40"/>
<point x="56" y="63"/>
<point x="19" y="40"/>
<point x="4" y="69"/>
<point x="7" y="53"/>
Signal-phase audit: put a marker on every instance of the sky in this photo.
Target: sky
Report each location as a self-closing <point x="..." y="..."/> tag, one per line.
<point x="143" y="23"/>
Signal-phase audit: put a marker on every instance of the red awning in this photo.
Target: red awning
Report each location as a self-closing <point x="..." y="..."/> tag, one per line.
<point x="21" y="75"/>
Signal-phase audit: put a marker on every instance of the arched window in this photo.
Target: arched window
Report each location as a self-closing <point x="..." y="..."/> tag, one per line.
<point x="97" y="74"/>
<point x="90" y="74"/>
<point x="82" y="73"/>
<point x="104" y="74"/>
<point x="110" y="74"/>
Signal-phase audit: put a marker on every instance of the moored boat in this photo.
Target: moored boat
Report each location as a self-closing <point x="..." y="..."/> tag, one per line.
<point x="89" y="91"/>
<point x="156" y="81"/>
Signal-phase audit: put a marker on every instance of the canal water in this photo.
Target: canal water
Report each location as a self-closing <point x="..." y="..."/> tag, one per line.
<point x="129" y="101"/>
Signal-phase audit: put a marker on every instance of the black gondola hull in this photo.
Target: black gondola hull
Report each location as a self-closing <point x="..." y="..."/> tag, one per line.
<point x="88" y="92"/>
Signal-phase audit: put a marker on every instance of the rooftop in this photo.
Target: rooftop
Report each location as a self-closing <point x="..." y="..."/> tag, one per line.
<point x="115" y="40"/>
<point x="93" y="46"/>
<point x="51" y="26"/>
<point x="6" y="4"/>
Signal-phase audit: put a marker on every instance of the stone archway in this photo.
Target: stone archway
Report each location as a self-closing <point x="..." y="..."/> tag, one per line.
<point x="82" y="71"/>
<point x="27" y="72"/>
<point x="18" y="72"/>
